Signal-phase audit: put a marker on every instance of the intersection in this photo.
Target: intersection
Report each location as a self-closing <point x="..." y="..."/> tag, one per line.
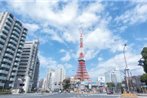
<point x="64" y="95"/>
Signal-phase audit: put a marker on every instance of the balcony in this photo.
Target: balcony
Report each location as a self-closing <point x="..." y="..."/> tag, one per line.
<point x="4" y="35"/>
<point x="25" y="31"/>
<point x="4" y="71"/>
<point x="10" y="19"/>
<point x="1" y="46"/>
<point x="13" y="41"/>
<point x="7" y="60"/>
<point x="14" y="37"/>
<point x="15" y="69"/>
<point x="1" y="84"/>
<point x="16" y="64"/>
<point x="22" y="69"/>
<point x="17" y="59"/>
<point x="18" y="54"/>
<point x="15" y="33"/>
<point x="8" y="23"/>
<point x="12" y="46"/>
<point x="5" y="66"/>
<point x="21" y="73"/>
<point x="7" y="27"/>
<point x="5" y="31"/>
<point x="2" y="40"/>
<point x="8" y="55"/>
<point x="23" y="35"/>
<point x="19" y="50"/>
<point x="12" y="79"/>
<point x="10" y="50"/>
<point x="16" y="29"/>
<point x="18" y="26"/>
<point x="2" y="78"/>
<point x="13" y="73"/>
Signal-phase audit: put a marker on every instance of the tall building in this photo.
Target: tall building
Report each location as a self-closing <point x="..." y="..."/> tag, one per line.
<point x="12" y="38"/>
<point x="108" y="77"/>
<point x="101" y="81"/>
<point x="36" y="75"/>
<point x="40" y="83"/>
<point x="53" y="80"/>
<point x="82" y="73"/>
<point x="59" y="77"/>
<point x="113" y="76"/>
<point x="29" y="66"/>
<point x="48" y="84"/>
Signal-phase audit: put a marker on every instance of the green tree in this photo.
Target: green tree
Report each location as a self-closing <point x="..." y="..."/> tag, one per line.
<point x="66" y="84"/>
<point x="144" y="56"/>
<point x="143" y="78"/>
<point x="110" y="85"/>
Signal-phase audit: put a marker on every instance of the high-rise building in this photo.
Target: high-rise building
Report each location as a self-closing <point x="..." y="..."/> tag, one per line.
<point x="113" y="76"/>
<point x="36" y="75"/>
<point x="29" y="66"/>
<point x="12" y="38"/>
<point x="53" y="80"/>
<point x="59" y="77"/>
<point x="48" y="84"/>
<point x="40" y="83"/>
<point x="108" y="77"/>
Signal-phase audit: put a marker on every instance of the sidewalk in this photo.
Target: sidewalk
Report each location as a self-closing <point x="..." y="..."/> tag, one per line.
<point x="142" y="95"/>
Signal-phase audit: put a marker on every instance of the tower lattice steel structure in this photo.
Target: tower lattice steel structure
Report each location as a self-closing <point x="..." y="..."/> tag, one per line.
<point x="82" y="73"/>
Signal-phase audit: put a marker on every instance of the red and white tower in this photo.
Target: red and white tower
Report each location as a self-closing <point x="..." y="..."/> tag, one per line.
<point x="82" y="73"/>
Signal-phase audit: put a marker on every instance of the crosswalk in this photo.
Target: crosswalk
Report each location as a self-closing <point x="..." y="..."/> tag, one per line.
<point x="94" y="95"/>
<point x="64" y="95"/>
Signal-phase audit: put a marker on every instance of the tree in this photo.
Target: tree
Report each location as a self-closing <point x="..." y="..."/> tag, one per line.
<point x="144" y="56"/>
<point x="66" y="84"/>
<point x="110" y="85"/>
<point x="143" y="78"/>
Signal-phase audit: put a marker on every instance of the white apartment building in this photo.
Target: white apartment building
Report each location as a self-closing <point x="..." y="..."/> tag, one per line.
<point x="28" y="70"/>
<point x="12" y="38"/>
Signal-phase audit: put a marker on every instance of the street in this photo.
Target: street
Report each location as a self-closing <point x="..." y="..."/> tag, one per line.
<point x="60" y="96"/>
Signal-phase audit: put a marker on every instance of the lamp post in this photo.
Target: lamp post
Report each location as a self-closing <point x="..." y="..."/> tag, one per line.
<point x="126" y="70"/>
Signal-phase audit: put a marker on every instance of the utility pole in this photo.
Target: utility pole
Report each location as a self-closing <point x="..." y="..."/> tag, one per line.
<point x="126" y="70"/>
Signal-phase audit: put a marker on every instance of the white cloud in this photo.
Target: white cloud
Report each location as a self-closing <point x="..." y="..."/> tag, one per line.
<point x="46" y="61"/>
<point x="43" y="10"/>
<point x="100" y="59"/>
<point x="118" y="62"/>
<point x="99" y="39"/>
<point x="66" y="58"/>
<point x="138" y="14"/>
<point x="62" y="50"/>
<point x="67" y="66"/>
<point x="68" y="19"/>
<point x="32" y="27"/>
<point x="88" y="17"/>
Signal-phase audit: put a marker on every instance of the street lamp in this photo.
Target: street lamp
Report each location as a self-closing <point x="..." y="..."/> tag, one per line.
<point x="126" y="70"/>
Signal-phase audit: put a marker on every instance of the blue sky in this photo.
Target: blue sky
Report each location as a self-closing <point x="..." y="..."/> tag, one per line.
<point x="107" y="26"/>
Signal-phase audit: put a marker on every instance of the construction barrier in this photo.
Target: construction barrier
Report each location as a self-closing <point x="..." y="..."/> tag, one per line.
<point x="128" y="95"/>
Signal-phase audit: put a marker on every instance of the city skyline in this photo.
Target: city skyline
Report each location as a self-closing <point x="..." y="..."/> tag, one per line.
<point x="107" y="26"/>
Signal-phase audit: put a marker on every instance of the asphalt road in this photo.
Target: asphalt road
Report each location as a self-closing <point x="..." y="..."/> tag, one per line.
<point x="60" y="96"/>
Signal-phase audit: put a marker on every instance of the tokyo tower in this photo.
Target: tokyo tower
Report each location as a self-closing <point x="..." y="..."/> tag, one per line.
<point x="82" y="73"/>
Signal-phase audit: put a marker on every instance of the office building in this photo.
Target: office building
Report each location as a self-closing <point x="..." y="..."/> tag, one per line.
<point x="54" y="79"/>
<point x="48" y="84"/>
<point x="40" y="83"/>
<point x="29" y="66"/>
<point x="12" y="38"/>
<point x="60" y="76"/>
